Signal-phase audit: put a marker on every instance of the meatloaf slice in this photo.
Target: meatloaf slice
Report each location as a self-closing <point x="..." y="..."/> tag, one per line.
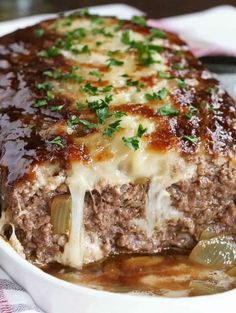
<point x="113" y="139"/>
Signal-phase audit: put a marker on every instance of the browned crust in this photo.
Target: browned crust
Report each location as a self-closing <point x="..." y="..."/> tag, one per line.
<point x="21" y="146"/>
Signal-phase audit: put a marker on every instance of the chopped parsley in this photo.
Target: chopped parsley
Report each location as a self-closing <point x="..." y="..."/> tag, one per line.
<point x="191" y="138"/>
<point x="160" y="95"/>
<point x="157" y="33"/>
<point x="139" y="20"/>
<point x="57" y="141"/>
<point x="133" y="142"/>
<point x="112" y="53"/>
<point x="207" y="105"/>
<point x="167" y="110"/>
<point x="106" y="89"/>
<point x="112" y="128"/>
<point x="164" y="75"/>
<point x="56" y="108"/>
<point x="192" y="109"/>
<point x="100" y="107"/>
<point x="211" y="90"/>
<point x="90" y="89"/>
<point x="102" y="31"/>
<point x="97" y="74"/>
<point x="39" y="32"/>
<point x="65" y="76"/>
<point x="74" y="120"/>
<point x="114" y="62"/>
<point x="181" y="83"/>
<point x="46" y="86"/>
<point x="40" y="103"/>
<point x="125" y="37"/>
<point x="178" y="67"/>
<point x="119" y="114"/>
<point x="80" y="106"/>
<point x="50" y="52"/>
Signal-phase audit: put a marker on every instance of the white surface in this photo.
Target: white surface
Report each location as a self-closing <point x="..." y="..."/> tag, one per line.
<point x="57" y="296"/>
<point x="207" y="32"/>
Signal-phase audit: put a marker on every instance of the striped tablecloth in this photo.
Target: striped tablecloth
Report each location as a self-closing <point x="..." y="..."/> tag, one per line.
<point x="13" y="298"/>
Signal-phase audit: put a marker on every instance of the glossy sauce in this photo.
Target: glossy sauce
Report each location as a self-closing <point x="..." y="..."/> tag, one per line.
<point x="170" y="276"/>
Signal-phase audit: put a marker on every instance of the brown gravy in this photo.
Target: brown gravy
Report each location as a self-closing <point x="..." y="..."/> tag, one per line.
<point x="170" y="276"/>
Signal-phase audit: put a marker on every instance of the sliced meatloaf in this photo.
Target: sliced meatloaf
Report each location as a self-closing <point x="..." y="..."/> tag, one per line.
<point x="113" y="139"/>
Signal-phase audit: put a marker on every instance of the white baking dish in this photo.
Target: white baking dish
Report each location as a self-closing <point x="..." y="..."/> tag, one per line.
<point x="57" y="296"/>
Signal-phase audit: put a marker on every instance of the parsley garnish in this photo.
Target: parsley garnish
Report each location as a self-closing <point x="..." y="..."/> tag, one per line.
<point x="97" y="74"/>
<point x="39" y="32"/>
<point x="139" y="20"/>
<point x="211" y="90"/>
<point x="88" y="88"/>
<point x="192" y="109"/>
<point x="119" y="114"/>
<point x="101" y="31"/>
<point x="75" y="120"/>
<point x="157" y="33"/>
<point x="133" y="142"/>
<point x="106" y="89"/>
<point x="160" y="95"/>
<point x="112" y="128"/>
<point x="167" y="110"/>
<point x="44" y="86"/>
<point x="125" y="37"/>
<point x="66" y="76"/>
<point x="164" y="75"/>
<point x="57" y="141"/>
<point x="100" y="107"/>
<point x="114" y="62"/>
<point x="192" y="139"/>
<point x="40" y="103"/>
<point x="181" y="83"/>
<point x="56" y="108"/>
<point x="50" y="53"/>
<point x="80" y="106"/>
<point x="178" y="66"/>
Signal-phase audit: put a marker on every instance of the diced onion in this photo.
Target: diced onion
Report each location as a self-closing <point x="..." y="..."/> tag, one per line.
<point x="217" y="252"/>
<point x="210" y="232"/>
<point x="232" y="272"/>
<point x="60" y="214"/>
<point x="199" y="287"/>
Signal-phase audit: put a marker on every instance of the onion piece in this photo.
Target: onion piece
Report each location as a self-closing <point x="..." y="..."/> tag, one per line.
<point x="210" y="232"/>
<point x="232" y="272"/>
<point x="60" y="214"/>
<point x="217" y="252"/>
<point x="200" y="287"/>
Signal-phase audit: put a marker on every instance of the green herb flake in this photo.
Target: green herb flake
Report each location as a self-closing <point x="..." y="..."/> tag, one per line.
<point x="139" y="20"/>
<point x="50" y="53"/>
<point x="97" y="74"/>
<point x="211" y="90"/>
<point x="131" y="142"/>
<point x="100" y="107"/>
<point x="112" y="53"/>
<point x="40" y="103"/>
<point x="88" y="88"/>
<point x="157" y="33"/>
<point x="74" y="120"/>
<point x="181" y="83"/>
<point x="57" y="141"/>
<point x="178" y="67"/>
<point x="125" y="37"/>
<point x="80" y="106"/>
<point x="192" y="109"/>
<point x="164" y="75"/>
<point x="106" y="89"/>
<point x="208" y="106"/>
<point x="102" y="31"/>
<point x="192" y="139"/>
<point x="39" y="32"/>
<point x="112" y="128"/>
<point x="119" y="114"/>
<point x="44" y="86"/>
<point x="141" y="131"/>
<point x="160" y="95"/>
<point x="114" y="62"/>
<point x="56" y="108"/>
<point x="167" y="110"/>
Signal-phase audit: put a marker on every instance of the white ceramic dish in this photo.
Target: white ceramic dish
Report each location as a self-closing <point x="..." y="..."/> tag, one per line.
<point x="56" y="296"/>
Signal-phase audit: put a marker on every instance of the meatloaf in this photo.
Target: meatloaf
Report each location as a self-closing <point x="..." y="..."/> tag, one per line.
<point x="113" y="139"/>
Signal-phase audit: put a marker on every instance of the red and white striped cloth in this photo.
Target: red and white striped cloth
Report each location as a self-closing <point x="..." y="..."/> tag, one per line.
<point x="13" y="298"/>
